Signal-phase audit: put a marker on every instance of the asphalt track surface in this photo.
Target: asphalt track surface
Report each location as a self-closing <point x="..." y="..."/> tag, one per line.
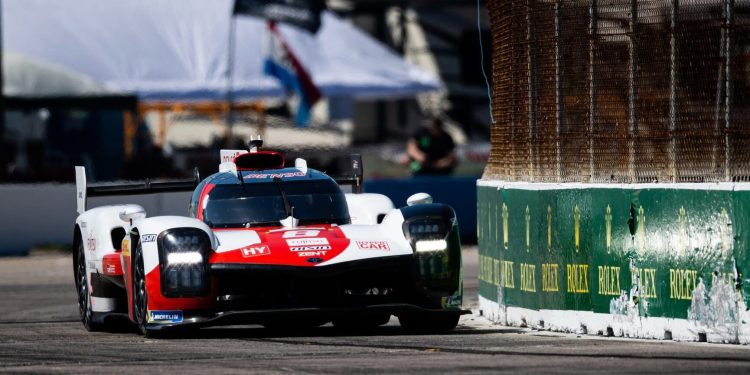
<point x="40" y="333"/>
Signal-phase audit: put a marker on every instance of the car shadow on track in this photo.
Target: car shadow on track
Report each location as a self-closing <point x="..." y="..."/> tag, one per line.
<point x="259" y="332"/>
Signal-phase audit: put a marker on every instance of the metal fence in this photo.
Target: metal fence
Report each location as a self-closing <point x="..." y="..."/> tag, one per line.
<point x="620" y="90"/>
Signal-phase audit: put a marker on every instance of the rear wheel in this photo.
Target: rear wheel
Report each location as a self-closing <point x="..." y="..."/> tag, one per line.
<point x="428" y="323"/>
<point x="82" y="286"/>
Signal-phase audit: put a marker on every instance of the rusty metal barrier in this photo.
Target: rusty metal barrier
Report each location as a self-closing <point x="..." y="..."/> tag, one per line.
<point x="620" y="90"/>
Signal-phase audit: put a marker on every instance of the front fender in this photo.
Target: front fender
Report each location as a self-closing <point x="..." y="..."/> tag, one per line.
<point x="145" y="232"/>
<point x="148" y="229"/>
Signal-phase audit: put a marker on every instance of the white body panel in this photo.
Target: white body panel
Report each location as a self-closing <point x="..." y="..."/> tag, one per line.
<point x="389" y="230"/>
<point x="96" y="226"/>
<point x="232" y="240"/>
<point x="364" y="208"/>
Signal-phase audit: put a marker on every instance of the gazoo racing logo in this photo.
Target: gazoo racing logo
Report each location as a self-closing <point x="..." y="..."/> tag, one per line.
<point x="373" y="245"/>
<point x="308" y="244"/>
<point x="254" y="251"/>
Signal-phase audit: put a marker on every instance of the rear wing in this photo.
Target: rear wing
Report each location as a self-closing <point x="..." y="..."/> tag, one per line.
<point x="146" y="187"/>
<point x="356" y="180"/>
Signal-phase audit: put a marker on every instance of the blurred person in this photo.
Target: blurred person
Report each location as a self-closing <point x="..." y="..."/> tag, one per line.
<point x="431" y="151"/>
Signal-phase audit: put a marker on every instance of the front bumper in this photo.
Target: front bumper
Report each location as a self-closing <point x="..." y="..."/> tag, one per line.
<point x="261" y="294"/>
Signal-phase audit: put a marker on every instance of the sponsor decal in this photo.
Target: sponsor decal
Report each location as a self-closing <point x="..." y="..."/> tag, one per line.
<point x="165" y="316"/>
<point x="452" y="301"/>
<point x="254" y="251"/>
<point x="91" y="241"/>
<point x="125" y="246"/>
<point x="228" y="156"/>
<point x="312" y="253"/>
<point x="274" y="175"/>
<point x="310" y="248"/>
<point x="110" y="269"/>
<point x="307" y="241"/>
<point x="301" y="233"/>
<point x="148" y="238"/>
<point x="373" y="245"/>
<point x="314" y="260"/>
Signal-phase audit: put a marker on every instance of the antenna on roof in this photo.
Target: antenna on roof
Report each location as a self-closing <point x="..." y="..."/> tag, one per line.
<point x="255" y="144"/>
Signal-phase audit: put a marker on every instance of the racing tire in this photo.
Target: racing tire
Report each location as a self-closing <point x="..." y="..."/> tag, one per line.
<point x="428" y="323"/>
<point x="362" y="321"/>
<point x="82" y="287"/>
<point x="140" y="295"/>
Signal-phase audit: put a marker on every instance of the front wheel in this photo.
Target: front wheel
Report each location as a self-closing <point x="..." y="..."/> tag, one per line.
<point x="82" y="286"/>
<point x="428" y="323"/>
<point x="140" y="296"/>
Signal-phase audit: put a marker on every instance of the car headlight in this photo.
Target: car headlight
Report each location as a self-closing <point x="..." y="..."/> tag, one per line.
<point x="428" y="234"/>
<point x="430" y="245"/>
<point x="183" y="259"/>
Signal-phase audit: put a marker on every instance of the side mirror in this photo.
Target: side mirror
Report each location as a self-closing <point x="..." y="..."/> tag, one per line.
<point x="419" y="198"/>
<point x="131" y="213"/>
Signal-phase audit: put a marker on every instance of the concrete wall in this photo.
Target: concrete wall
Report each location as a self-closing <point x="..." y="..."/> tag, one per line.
<point x="638" y="260"/>
<point x="45" y="213"/>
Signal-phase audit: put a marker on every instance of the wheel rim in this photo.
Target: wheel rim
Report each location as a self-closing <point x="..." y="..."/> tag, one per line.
<point x="82" y="286"/>
<point x="141" y="297"/>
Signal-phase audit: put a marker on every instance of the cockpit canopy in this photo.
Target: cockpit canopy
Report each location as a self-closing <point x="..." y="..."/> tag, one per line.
<point x="260" y="202"/>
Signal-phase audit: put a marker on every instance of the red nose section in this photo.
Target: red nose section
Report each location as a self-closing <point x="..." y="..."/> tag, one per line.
<point x="305" y="246"/>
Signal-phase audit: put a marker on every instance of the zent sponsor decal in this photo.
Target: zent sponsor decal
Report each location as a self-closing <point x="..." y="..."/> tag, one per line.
<point x="373" y="245"/>
<point x="165" y="316"/>
<point x="148" y="238"/>
<point x="312" y="253"/>
<point x="301" y="233"/>
<point x="254" y="251"/>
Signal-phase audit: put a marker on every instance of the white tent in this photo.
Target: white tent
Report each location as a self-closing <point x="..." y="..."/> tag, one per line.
<point x="29" y="78"/>
<point x="177" y="49"/>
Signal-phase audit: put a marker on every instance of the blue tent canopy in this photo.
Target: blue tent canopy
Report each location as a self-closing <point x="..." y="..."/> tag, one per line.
<point x="178" y="50"/>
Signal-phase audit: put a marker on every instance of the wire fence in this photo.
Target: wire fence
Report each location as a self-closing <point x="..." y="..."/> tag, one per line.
<point x="620" y="90"/>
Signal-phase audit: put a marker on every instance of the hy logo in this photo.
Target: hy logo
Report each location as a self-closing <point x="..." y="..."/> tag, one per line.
<point x="254" y="251"/>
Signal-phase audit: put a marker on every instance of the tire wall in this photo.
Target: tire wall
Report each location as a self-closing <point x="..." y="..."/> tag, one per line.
<point x="642" y="260"/>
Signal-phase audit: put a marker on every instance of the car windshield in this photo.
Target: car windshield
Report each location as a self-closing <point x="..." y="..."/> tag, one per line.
<point x="262" y="204"/>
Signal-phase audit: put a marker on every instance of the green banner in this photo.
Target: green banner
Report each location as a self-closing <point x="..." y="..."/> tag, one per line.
<point x="656" y="252"/>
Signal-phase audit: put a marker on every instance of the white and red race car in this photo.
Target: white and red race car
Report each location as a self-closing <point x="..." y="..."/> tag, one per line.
<point x="265" y="244"/>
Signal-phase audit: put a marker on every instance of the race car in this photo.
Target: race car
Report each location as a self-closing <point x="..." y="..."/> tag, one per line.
<point x="266" y="244"/>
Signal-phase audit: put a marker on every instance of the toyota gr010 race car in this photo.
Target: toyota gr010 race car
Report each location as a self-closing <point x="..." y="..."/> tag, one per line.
<point x="265" y="244"/>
